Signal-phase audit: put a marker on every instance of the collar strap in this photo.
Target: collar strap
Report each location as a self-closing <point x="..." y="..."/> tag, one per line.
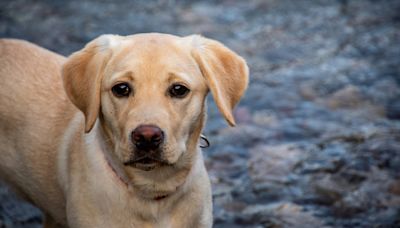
<point x="204" y="141"/>
<point x="122" y="178"/>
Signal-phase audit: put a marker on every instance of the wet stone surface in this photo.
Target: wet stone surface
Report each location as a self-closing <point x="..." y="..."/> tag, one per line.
<point x="318" y="136"/>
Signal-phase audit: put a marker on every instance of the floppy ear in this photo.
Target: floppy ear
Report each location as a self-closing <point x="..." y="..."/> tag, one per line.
<point x="82" y="75"/>
<point x="226" y="73"/>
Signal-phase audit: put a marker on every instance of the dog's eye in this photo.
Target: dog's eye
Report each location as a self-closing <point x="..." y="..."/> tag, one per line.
<point x="121" y="90"/>
<point x="178" y="91"/>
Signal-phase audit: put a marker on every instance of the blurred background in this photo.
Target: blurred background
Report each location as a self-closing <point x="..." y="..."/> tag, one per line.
<point x="318" y="136"/>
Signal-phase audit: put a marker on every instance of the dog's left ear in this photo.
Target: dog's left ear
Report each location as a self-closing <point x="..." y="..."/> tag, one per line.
<point x="226" y="73"/>
<point x="82" y="75"/>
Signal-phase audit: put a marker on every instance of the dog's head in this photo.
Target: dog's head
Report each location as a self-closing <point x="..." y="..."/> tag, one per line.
<point x="148" y="92"/>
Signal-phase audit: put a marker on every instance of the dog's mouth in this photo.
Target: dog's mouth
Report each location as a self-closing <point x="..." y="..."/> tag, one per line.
<point x="145" y="163"/>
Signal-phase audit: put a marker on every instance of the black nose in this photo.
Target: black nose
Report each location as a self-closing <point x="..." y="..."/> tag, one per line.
<point x="147" y="137"/>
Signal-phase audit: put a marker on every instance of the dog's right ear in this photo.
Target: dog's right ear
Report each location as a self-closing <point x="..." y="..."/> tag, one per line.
<point x="82" y="75"/>
<point x="226" y="73"/>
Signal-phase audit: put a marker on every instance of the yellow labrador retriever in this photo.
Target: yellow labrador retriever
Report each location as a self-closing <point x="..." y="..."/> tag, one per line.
<point x="109" y="137"/>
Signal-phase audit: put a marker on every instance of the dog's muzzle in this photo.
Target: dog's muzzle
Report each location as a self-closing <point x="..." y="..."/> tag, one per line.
<point x="147" y="140"/>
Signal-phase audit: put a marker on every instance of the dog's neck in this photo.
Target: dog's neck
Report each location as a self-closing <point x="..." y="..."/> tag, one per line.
<point x="124" y="180"/>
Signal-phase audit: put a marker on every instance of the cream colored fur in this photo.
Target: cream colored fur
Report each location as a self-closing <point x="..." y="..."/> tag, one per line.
<point x="64" y="137"/>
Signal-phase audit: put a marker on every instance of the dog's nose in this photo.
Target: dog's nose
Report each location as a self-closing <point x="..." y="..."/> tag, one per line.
<point x="147" y="137"/>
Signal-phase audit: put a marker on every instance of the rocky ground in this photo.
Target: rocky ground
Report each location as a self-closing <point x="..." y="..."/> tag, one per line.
<point x="318" y="139"/>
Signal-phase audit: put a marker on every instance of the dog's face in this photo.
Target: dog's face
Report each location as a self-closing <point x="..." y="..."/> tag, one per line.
<point x="152" y="101"/>
<point x="149" y="91"/>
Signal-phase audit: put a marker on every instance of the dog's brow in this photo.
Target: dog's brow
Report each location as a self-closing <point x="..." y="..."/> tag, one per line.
<point x="177" y="76"/>
<point x="123" y="75"/>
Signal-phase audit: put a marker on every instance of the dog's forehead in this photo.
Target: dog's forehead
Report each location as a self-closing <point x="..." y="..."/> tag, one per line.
<point x="153" y="55"/>
<point x="156" y="47"/>
<point x="152" y="38"/>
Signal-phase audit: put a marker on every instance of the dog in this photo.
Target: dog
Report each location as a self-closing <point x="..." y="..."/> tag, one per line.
<point x="109" y="137"/>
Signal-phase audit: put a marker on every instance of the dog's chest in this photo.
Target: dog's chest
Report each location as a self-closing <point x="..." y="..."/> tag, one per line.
<point x="120" y="205"/>
<point x="136" y="213"/>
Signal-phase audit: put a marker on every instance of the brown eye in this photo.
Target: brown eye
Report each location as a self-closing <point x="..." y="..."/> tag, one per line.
<point x="121" y="90"/>
<point x="178" y="91"/>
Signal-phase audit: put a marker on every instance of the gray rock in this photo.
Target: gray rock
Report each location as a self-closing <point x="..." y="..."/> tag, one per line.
<point x="393" y="109"/>
<point x="273" y="163"/>
<point x="280" y="215"/>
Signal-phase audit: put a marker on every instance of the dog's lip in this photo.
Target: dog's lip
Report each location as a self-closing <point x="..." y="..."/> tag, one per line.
<point x="142" y="160"/>
<point x="146" y="167"/>
<point x="145" y="163"/>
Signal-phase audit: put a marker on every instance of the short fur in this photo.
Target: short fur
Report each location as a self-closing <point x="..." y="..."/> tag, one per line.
<point x="72" y="166"/>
